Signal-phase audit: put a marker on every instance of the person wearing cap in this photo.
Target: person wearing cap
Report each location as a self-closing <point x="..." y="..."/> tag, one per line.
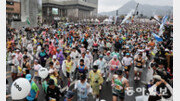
<point x="53" y="92"/>
<point x="90" y="57"/>
<point x="56" y="63"/>
<point x="14" y="63"/>
<point x="86" y="60"/>
<point x="119" y="86"/>
<point x="115" y="53"/>
<point x="101" y="62"/>
<point x="108" y="56"/>
<point x="96" y="81"/>
<point x="19" y="56"/>
<point x="75" y="56"/>
<point x="34" y="92"/>
<point x="114" y="64"/>
<point x="69" y="96"/>
<point x="36" y="68"/>
<point x="127" y="63"/>
<point x="83" y="49"/>
<point x="83" y="88"/>
<point x="43" y="56"/>
<point x="52" y="70"/>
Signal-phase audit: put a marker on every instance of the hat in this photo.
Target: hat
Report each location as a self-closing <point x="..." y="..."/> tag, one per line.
<point x="51" y="82"/>
<point x="87" y="50"/>
<point x="28" y="77"/>
<point x="115" y="56"/>
<point x="17" y="50"/>
<point x="36" y="60"/>
<point x="101" y="56"/>
<point x="166" y="49"/>
<point x="127" y="54"/>
<point x="54" y="56"/>
<point x="13" y="54"/>
<point x="69" y="94"/>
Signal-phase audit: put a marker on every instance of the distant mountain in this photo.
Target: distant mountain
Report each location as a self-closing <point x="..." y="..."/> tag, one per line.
<point x="145" y="9"/>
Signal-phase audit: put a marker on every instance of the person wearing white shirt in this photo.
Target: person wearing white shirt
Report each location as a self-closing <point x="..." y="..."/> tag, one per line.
<point x="127" y="63"/>
<point x="101" y="62"/>
<point x="90" y="57"/>
<point x="86" y="60"/>
<point x="36" y="68"/>
<point x="75" y="55"/>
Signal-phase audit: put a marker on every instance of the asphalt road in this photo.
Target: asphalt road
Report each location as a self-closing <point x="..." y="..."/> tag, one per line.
<point x="106" y="92"/>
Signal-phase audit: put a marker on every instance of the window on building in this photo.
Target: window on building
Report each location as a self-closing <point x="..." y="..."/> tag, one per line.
<point x="55" y="11"/>
<point x="9" y="9"/>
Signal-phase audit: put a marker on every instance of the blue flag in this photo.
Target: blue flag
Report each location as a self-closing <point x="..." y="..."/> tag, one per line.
<point x="158" y="38"/>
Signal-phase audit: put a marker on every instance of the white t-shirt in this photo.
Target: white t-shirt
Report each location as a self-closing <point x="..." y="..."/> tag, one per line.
<point x="127" y="61"/>
<point x="36" y="68"/>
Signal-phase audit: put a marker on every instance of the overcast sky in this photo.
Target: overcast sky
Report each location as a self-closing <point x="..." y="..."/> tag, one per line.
<point x="110" y="5"/>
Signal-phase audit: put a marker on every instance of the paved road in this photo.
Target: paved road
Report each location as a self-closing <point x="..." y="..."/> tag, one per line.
<point x="106" y="92"/>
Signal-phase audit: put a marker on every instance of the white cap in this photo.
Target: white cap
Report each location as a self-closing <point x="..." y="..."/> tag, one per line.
<point x="54" y="56"/>
<point x="17" y="50"/>
<point x="13" y="54"/>
<point x="166" y="49"/>
<point x="115" y="56"/>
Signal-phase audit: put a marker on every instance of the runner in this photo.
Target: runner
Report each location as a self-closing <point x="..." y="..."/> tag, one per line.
<point x="83" y="88"/>
<point x="119" y="86"/>
<point x="139" y="63"/>
<point x="96" y="81"/>
<point x="114" y="65"/>
<point x="127" y="63"/>
<point x="67" y="69"/>
<point x="34" y="89"/>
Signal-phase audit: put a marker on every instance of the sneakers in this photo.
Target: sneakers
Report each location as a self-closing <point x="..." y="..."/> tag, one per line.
<point x="97" y="99"/>
<point x="100" y="87"/>
<point x="67" y="89"/>
<point x="138" y="78"/>
<point x="135" y="78"/>
<point x="107" y="80"/>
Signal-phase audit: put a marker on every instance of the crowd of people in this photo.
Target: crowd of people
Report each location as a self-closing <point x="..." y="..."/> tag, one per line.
<point x="91" y="55"/>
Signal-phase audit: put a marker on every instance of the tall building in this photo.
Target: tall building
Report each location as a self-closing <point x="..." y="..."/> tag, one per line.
<point x="31" y="10"/>
<point x="55" y="10"/>
<point x="13" y="11"/>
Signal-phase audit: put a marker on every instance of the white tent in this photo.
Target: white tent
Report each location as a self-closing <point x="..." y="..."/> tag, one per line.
<point x="107" y="21"/>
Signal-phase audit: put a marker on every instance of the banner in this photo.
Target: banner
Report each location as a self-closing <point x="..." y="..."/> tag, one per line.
<point x="162" y="25"/>
<point x="128" y="16"/>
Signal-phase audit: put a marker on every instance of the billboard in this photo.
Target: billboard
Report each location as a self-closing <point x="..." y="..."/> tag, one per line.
<point x="55" y="11"/>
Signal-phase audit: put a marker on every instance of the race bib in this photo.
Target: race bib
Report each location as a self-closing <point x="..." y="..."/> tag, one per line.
<point x="118" y="87"/>
<point x="138" y="64"/>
